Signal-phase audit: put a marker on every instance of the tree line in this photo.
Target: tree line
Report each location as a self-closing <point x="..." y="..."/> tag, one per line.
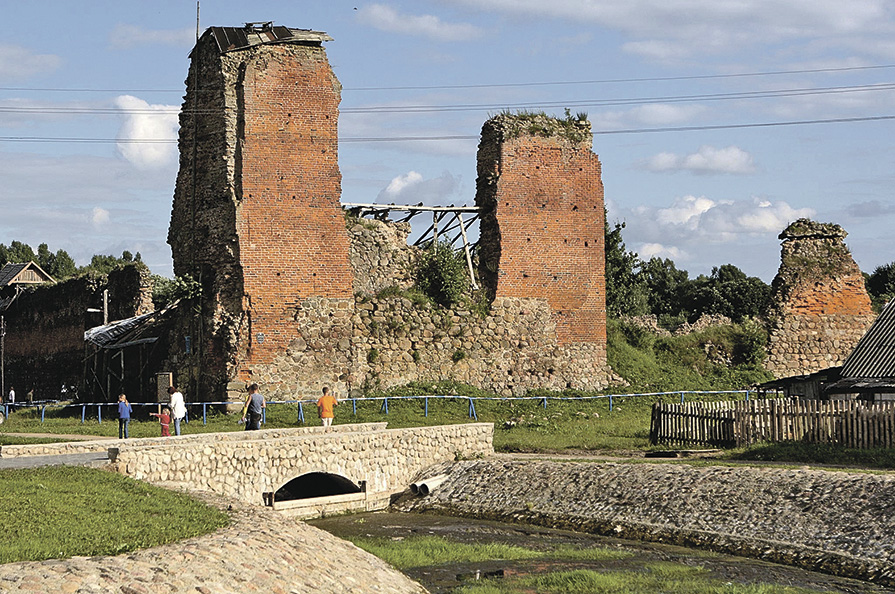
<point x="59" y="264"/>
<point x="656" y="286"/>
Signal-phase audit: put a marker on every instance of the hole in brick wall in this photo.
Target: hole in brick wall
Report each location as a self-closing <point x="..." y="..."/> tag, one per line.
<point x="278" y="274"/>
<point x="524" y="275"/>
<point x="585" y="244"/>
<point x="528" y="239"/>
<point x="574" y="208"/>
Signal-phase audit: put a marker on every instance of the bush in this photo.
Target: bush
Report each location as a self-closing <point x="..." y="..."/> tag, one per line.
<point x="441" y="274"/>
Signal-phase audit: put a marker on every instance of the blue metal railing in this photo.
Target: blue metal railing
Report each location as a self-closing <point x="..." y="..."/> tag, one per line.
<point x="384" y="408"/>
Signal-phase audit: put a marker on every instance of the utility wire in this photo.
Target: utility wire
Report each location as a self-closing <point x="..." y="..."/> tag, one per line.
<point x="737" y="96"/>
<point x="498" y="85"/>
<point x="370" y="139"/>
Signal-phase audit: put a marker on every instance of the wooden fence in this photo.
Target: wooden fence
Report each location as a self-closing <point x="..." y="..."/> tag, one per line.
<point x="848" y="423"/>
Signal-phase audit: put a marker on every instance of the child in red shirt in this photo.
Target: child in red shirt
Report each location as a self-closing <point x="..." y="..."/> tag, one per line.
<point x="164" y="419"/>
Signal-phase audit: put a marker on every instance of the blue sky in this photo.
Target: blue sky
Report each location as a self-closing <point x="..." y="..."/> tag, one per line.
<point x="698" y="109"/>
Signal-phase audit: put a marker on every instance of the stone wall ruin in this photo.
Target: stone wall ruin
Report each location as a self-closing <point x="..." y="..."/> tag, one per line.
<point x="820" y="305"/>
<point x="290" y="283"/>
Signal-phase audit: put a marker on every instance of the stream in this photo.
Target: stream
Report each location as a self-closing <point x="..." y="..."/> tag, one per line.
<point x="444" y="578"/>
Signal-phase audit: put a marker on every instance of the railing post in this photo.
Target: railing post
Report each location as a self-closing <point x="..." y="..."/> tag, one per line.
<point x="204" y="413"/>
<point x="610" y="403"/>
<point x="301" y="413"/>
<point x="747" y="395"/>
<point x="427" y="406"/>
<point x="472" y="414"/>
<point x="42" y="410"/>
<point x="682" y="397"/>
<point x="99" y="413"/>
<point x="544" y="402"/>
<point x="384" y="406"/>
<point x="354" y="405"/>
<point x="264" y="416"/>
<point x="83" y="413"/>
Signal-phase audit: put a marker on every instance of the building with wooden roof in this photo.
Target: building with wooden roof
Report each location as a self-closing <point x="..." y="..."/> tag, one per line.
<point x="16" y="277"/>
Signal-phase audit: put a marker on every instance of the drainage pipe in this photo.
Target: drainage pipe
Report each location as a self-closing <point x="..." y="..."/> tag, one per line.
<point x="428" y="485"/>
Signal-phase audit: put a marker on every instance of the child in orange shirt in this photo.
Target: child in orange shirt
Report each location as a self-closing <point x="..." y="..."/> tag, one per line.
<point x="325" y="407"/>
<point x="164" y="419"/>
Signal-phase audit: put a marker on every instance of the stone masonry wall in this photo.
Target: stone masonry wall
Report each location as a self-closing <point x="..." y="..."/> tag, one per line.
<point x="45" y="327"/>
<point x="246" y="468"/>
<point x="820" y="305"/>
<point x="832" y="521"/>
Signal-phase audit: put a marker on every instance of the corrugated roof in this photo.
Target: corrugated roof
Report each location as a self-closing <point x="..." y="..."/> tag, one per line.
<point x="252" y="34"/>
<point x="9" y="272"/>
<point x="874" y="355"/>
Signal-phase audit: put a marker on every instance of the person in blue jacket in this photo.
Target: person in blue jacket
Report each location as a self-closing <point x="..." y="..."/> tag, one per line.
<point x="124" y="416"/>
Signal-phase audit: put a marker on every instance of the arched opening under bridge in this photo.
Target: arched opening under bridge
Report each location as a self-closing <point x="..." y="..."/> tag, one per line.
<point x="316" y="484"/>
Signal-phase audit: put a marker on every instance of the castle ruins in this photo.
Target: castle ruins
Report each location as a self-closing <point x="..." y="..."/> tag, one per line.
<point x="289" y="283"/>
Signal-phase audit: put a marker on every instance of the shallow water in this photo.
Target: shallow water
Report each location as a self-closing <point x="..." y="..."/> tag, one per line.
<point x="442" y="579"/>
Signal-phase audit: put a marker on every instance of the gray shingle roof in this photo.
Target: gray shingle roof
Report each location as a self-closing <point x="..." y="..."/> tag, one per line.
<point x="874" y="355"/>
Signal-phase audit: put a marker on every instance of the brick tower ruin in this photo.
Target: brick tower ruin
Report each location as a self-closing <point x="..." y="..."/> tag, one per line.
<point x="256" y="216"/>
<point x="820" y="308"/>
<point x="542" y="237"/>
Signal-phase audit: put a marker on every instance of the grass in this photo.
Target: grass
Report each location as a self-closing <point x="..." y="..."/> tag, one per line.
<point x="816" y="453"/>
<point x="61" y="511"/>
<point x="657" y="576"/>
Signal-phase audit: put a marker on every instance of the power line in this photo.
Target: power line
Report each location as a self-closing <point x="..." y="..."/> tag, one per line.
<point x="497" y="85"/>
<point x="737" y="96"/>
<point x="370" y="139"/>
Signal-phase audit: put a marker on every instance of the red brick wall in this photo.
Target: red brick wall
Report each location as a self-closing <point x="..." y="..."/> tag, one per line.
<point x="548" y="213"/>
<point x="292" y="238"/>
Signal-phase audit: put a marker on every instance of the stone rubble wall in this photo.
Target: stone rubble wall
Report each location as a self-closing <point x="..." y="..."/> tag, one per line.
<point x="390" y="341"/>
<point x="830" y="521"/>
<point x="820" y="307"/>
<point x="247" y="468"/>
<point x="259" y="552"/>
<point x="103" y="445"/>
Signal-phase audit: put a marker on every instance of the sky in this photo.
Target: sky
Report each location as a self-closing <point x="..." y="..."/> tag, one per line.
<point x="717" y="123"/>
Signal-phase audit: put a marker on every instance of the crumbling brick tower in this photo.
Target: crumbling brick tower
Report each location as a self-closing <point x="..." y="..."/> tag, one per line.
<point x="543" y="228"/>
<point x="256" y="216"/>
<point x="820" y="307"/>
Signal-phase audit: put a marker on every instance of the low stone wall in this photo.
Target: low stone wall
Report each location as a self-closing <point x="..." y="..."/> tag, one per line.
<point x="260" y="551"/>
<point x="386" y="459"/>
<point x="835" y="522"/>
<point x="103" y="445"/>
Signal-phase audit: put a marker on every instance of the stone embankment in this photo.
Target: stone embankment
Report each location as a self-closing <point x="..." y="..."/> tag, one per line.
<point x="260" y="551"/>
<point x="835" y="522"/>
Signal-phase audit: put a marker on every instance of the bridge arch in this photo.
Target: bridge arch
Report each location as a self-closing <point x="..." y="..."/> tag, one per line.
<point x="317" y="484"/>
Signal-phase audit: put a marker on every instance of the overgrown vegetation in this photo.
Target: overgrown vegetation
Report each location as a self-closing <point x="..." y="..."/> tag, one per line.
<point x="62" y="511"/>
<point x="881" y="285"/>
<point x="575" y="128"/>
<point x="59" y="264"/>
<point x="441" y="274"/>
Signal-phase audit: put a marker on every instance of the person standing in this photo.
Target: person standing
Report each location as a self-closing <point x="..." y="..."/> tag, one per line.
<point x="326" y="406"/>
<point x="164" y="419"/>
<point x="124" y="416"/>
<point x="254" y="408"/>
<point x="11" y="398"/>
<point x="178" y="407"/>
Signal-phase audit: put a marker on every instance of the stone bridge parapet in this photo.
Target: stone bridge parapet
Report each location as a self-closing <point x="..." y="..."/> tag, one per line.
<point x="385" y="461"/>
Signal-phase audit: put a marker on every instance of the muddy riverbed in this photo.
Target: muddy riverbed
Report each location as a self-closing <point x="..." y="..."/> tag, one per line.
<point x="443" y="579"/>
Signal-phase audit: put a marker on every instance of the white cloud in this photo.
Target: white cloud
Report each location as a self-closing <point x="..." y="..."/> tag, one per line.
<point x="657" y="250"/>
<point x="386" y="18"/>
<point x="19" y="62"/>
<point x="707" y="159"/>
<point x="412" y="188"/>
<point x="100" y="216"/>
<point x="694" y="220"/>
<point x="673" y="29"/>
<point x="130" y="36"/>
<point x="154" y="123"/>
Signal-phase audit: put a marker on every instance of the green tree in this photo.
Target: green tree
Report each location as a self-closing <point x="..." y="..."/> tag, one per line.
<point x="664" y="285"/>
<point x="728" y="292"/>
<point x="104" y="264"/>
<point x="625" y="290"/>
<point x="441" y="274"/>
<point x="881" y="285"/>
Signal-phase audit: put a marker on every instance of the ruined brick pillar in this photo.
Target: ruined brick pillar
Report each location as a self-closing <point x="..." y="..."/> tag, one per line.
<point x="543" y="228"/>
<point x="820" y="308"/>
<point x="256" y="215"/>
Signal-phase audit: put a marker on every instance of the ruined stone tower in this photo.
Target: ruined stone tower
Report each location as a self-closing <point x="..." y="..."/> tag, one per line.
<point x="256" y="216"/>
<point x="543" y="232"/>
<point x="820" y="308"/>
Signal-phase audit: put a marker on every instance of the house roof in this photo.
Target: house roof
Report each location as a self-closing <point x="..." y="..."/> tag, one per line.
<point x="28" y="273"/>
<point x="252" y="34"/>
<point x="874" y="355"/>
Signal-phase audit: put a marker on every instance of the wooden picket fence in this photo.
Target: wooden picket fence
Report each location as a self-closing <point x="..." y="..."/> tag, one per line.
<point x="849" y="423"/>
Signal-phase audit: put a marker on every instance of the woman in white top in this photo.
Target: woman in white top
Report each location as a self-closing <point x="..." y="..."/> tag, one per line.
<point x="178" y="407"/>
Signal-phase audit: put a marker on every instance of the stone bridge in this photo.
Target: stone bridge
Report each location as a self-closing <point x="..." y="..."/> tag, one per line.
<point x="305" y="471"/>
